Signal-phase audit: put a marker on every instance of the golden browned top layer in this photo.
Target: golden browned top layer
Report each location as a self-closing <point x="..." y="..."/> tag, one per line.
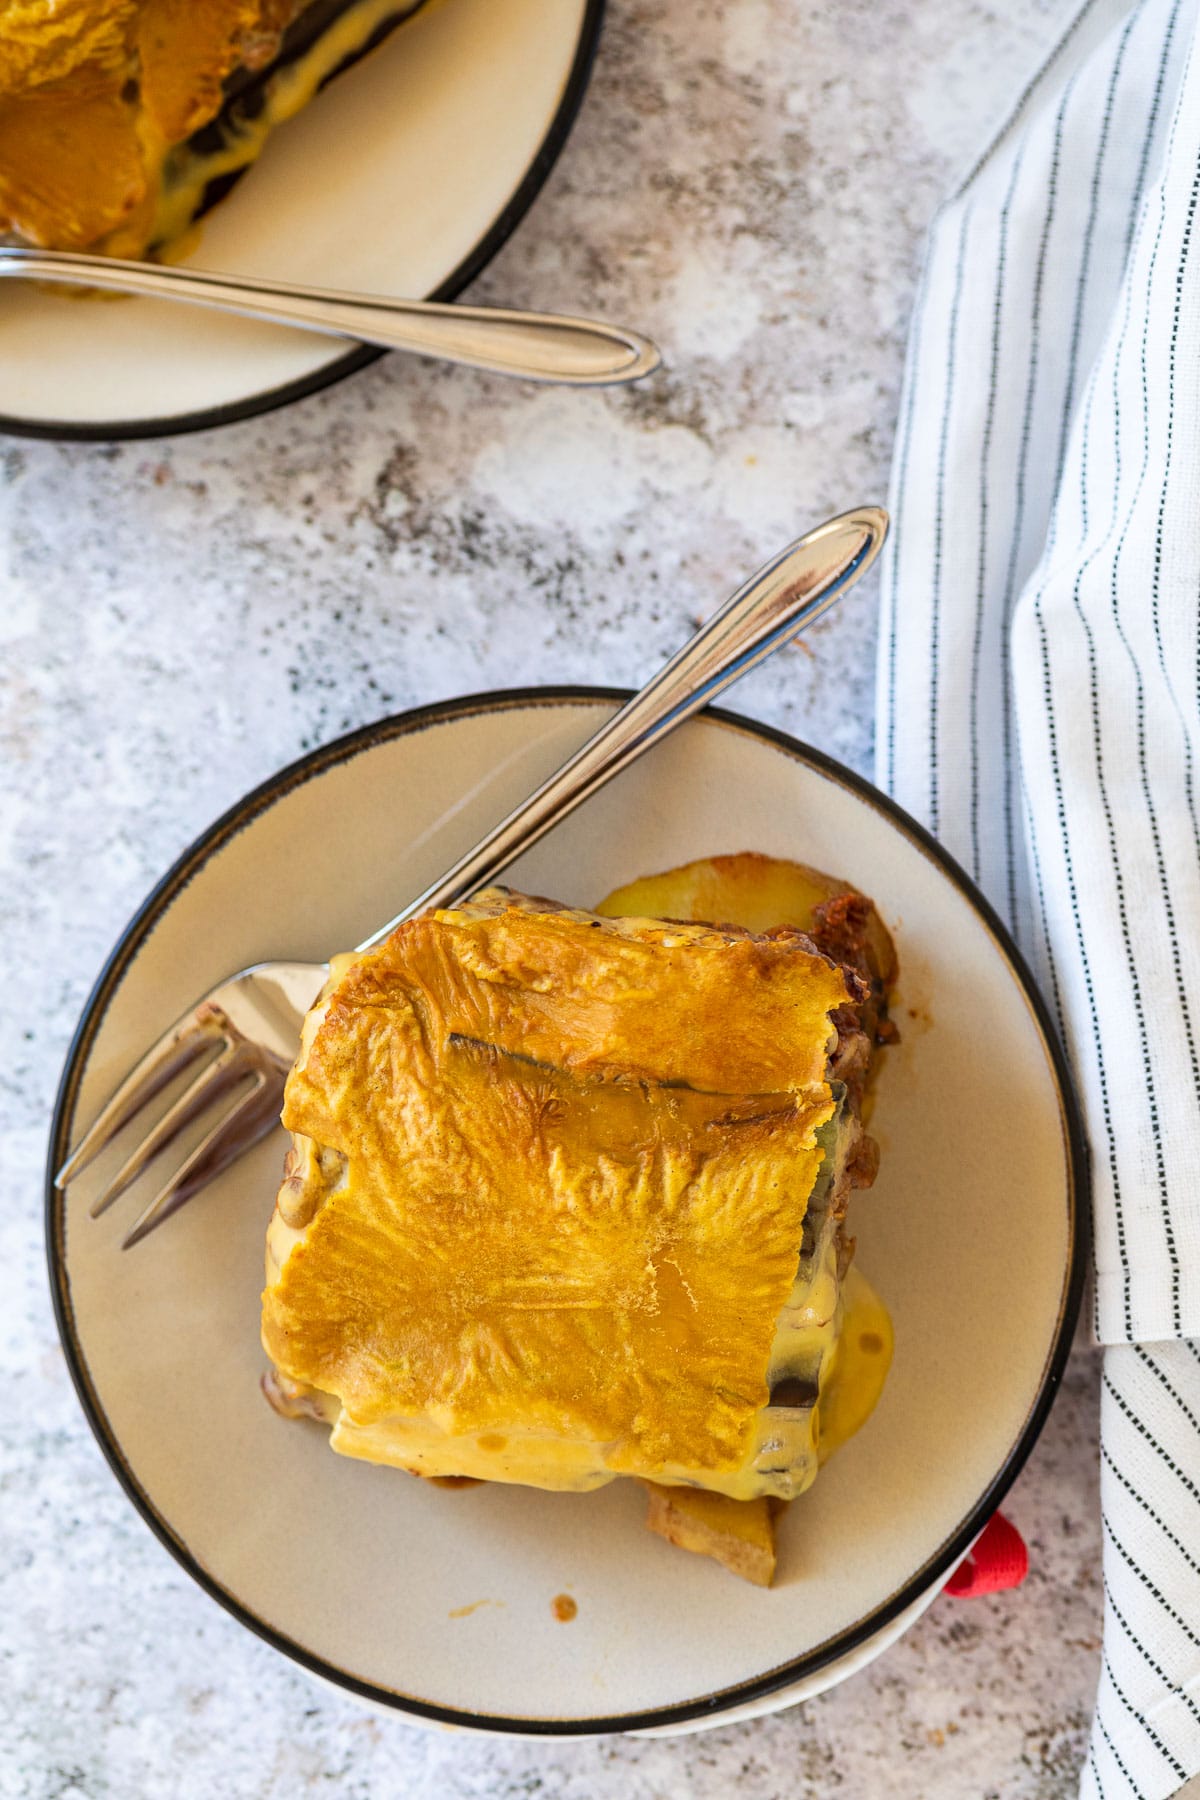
<point x="94" y="92"/>
<point x="45" y="41"/>
<point x="575" y="1157"/>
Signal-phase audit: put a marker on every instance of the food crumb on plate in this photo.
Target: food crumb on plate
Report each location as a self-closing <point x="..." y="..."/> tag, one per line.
<point x="464" y="1612"/>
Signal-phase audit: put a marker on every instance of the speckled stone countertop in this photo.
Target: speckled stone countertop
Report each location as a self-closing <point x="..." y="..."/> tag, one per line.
<point x="749" y="181"/>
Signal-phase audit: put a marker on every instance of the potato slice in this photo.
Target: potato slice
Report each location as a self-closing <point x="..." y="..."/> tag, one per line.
<point x="745" y="889"/>
<point x="738" y="1533"/>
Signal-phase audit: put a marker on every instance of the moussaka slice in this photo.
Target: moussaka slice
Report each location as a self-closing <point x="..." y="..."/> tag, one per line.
<point x="122" y="120"/>
<point x="565" y="1199"/>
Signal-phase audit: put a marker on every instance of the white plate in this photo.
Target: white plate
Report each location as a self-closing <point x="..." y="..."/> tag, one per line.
<point x="404" y="177"/>
<point x="972" y="1232"/>
<point x="827" y="1676"/>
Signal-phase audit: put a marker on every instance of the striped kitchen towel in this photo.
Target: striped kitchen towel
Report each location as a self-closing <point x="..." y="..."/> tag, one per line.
<point x="1039" y="708"/>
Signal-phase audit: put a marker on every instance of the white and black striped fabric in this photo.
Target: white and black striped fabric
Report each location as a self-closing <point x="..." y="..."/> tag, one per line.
<point x="1039" y="708"/>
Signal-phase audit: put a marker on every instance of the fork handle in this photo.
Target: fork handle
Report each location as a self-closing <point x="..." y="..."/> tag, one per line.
<point x="537" y="346"/>
<point x="785" y="596"/>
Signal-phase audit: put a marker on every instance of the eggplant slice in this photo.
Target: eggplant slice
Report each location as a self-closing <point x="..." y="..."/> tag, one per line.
<point x="241" y="127"/>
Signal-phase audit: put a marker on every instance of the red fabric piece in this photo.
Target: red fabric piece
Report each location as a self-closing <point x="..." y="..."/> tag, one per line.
<point x="997" y="1559"/>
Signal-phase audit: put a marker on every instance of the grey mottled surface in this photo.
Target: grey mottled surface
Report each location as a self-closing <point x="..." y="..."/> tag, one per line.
<point x="749" y="181"/>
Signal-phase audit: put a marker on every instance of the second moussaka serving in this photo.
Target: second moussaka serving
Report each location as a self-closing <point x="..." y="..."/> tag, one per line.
<point x="122" y="120"/>
<point x="566" y="1202"/>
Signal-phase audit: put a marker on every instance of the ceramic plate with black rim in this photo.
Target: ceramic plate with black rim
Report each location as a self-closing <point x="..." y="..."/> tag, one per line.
<point x="439" y="1603"/>
<point x="403" y="176"/>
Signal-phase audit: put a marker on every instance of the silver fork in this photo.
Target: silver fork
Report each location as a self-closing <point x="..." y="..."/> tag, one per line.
<point x="252" y="1020"/>
<point x="535" y="346"/>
